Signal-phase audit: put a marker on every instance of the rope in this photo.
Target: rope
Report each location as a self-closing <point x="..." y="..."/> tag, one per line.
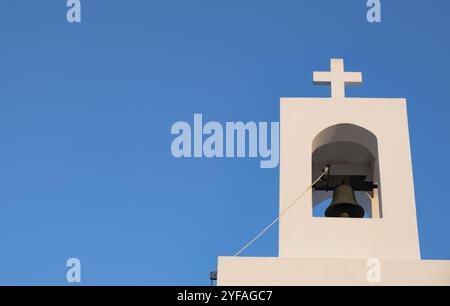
<point x="325" y="171"/>
<point x="368" y="195"/>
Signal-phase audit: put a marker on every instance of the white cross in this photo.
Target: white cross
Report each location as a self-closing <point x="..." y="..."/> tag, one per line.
<point x="337" y="78"/>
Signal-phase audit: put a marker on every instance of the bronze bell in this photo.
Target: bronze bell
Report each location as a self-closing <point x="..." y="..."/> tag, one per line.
<point x="344" y="204"/>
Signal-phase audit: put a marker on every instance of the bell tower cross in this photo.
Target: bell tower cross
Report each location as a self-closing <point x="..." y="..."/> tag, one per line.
<point x="337" y="78"/>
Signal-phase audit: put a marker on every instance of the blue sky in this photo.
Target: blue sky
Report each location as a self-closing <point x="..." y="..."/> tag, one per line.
<point x="86" y="109"/>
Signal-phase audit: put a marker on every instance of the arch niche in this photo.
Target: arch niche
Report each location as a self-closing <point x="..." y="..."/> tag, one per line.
<point x="350" y="150"/>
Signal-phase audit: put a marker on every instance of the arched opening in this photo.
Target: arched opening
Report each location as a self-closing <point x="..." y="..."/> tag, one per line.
<point x="352" y="153"/>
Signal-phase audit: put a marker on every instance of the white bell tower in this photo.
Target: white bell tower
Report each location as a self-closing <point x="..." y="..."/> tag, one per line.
<point x="355" y="136"/>
<point x="367" y="140"/>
